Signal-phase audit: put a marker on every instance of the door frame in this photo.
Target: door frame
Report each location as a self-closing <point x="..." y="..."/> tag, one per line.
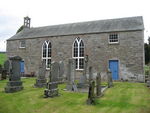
<point x="118" y="66"/>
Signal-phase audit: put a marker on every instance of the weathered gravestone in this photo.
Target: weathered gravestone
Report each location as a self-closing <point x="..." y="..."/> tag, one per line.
<point x="71" y="86"/>
<point x="91" y="95"/>
<point x="148" y="81"/>
<point x="98" y="85"/>
<point x="1" y="68"/>
<point x="61" y="72"/>
<point x="52" y="86"/>
<point x="90" y="73"/>
<point x="0" y="71"/>
<point x="41" y="79"/>
<point x="4" y="71"/>
<point x="14" y="84"/>
<point x="109" y="78"/>
<point x="6" y="65"/>
<point x="83" y="79"/>
<point x="3" y="74"/>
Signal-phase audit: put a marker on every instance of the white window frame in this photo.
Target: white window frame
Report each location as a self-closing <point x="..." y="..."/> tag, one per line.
<point x="20" y="44"/>
<point x="46" y="58"/>
<point x="78" y="57"/>
<point x="113" y="42"/>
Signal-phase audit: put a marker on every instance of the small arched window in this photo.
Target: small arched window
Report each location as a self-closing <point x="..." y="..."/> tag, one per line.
<point x="78" y="53"/>
<point x="46" y="53"/>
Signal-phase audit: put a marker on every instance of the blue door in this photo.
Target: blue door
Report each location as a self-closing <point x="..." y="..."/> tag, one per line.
<point x="113" y="66"/>
<point x="22" y="66"/>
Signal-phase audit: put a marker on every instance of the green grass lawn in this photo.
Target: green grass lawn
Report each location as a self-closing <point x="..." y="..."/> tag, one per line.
<point x="122" y="98"/>
<point x="2" y="58"/>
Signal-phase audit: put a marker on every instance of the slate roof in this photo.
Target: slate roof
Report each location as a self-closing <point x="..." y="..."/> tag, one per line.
<point x="99" y="26"/>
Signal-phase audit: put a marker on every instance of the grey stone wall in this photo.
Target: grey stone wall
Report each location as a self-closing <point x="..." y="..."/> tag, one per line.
<point x="129" y="52"/>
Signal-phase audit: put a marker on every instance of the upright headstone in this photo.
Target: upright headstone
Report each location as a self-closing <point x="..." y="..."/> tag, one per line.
<point x="1" y="68"/>
<point x="41" y="79"/>
<point x="109" y="77"/>
<point x="52" y="86"/>
<point x="148" y="81"/>
<point x="61" y="72"/>
<point x="83" y="79"/>
<point x="90" y="73"/>
<point x="71" y="86"/>
<point x="98" y="85"/>
<point x="0" y="71"/>
<point x="91" y="95"/>
<point x="3" y="74"/>
<point x="7" y="65"/>
<point x="14" y="84"/>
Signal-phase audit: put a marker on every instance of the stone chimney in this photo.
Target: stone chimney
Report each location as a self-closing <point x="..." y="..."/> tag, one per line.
<point x="27" y="21"/>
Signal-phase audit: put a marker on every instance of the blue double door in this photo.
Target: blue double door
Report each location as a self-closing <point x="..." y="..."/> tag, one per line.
<point x="114" y="68"/>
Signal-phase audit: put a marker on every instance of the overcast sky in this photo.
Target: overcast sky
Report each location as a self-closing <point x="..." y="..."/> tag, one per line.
<point x="52" y="12"/>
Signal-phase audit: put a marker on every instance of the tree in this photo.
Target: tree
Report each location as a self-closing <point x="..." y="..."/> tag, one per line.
<point x="149" y="40"/>
<point x="20" y="29"/>
<point x="147" y="51"/>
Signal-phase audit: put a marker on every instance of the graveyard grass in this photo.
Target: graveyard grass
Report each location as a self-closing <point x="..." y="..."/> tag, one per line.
<point x="122" y="98"/>
<point x="2" y="58"/>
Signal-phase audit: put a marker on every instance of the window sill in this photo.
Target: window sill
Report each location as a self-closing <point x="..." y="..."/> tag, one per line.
<point x="22" y="47"/>
<point x="79" y="70"/>
<point x="113" y="43"/>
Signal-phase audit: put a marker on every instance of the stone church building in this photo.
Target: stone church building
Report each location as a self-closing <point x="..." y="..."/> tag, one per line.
<point x="117" y="44"/>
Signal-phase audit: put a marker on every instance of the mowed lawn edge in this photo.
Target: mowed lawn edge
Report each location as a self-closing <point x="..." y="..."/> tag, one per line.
<point x="124" y="97"/>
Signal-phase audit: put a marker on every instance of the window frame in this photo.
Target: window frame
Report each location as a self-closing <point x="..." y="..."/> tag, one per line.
<point x="20" y="44"/>
<point x="79" y="40"/>
<point x="117" y="42"/>
<point x="47" y="54"/>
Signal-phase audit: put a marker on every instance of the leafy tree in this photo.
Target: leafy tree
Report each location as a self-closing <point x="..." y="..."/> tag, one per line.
<point x="149" y="40"/>
<point x="20" y="29"/>
<point x="147" y="51"/>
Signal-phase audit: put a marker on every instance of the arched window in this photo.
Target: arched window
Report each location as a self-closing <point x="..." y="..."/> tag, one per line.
<point x="46" y="53"/>
<point x="78" y="53"/>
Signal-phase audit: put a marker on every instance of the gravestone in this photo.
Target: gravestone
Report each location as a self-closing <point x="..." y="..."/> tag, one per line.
<point x="91" y="95"/>
<point x="83" y="79"/>
<point x="98" y="85"/>
<point x="7" y="65"/>
<point x="3" y="74"/>
<point x="0" y="71"/>
<point x="1" y="68"/>
<point x="71" y="86"/>
<point x="90" y="73"/>
<point x="109" y="78"/>
<point x="14" y="84"/>
<point x="52" y="86"/>
<point x="61" y="72"/>
<point x="148" y="81"/>
<point x="41" y="79"/>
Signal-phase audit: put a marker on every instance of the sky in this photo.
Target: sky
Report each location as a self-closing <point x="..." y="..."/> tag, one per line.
<point x="53" y="12"/>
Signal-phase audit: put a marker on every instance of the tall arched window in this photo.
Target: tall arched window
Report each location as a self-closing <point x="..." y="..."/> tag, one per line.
<point x="78" y="53"/>
<point x="46" y="53"/>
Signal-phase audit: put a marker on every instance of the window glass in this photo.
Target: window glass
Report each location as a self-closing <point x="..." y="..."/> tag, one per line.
<point x="78" y="53"/>
<point x="46" y="53"/>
